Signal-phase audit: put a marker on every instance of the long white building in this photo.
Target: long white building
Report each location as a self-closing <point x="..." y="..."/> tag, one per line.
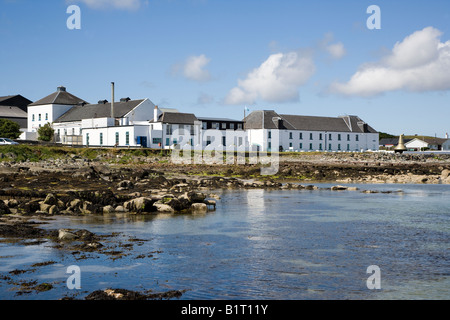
<point x="140" y="123"/>
<point x="271" y="131"/>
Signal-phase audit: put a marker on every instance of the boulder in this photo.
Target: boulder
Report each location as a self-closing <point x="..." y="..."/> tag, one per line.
<point x="142" y="204"/>
<point x="65" y="234"/>
<point x="4" y="208"/>
<point x="162" y="207"/>
<point x="199" y="207"/>
<point x="50" y="199"/>
<point x="445" y="174"/>
<point x="339" y="188"/>
<point x="108" y="209"/>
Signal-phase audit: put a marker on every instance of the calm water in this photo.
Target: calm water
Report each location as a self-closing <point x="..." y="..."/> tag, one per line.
<point x="264" y="245"/>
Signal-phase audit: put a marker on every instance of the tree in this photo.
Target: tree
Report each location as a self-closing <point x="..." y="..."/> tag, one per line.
<point x="46" y="132"/>
<point x="9" y="129"/>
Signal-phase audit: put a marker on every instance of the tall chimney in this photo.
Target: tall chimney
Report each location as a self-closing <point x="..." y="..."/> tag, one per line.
<point x="155" y="114"/>
<point x="112" y="99"/>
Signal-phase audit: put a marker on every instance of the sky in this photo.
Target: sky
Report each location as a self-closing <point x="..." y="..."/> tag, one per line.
<point x="215" y="58"/>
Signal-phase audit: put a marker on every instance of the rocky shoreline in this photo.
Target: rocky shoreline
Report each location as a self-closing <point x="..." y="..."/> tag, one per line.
<point x="73" y="185"/>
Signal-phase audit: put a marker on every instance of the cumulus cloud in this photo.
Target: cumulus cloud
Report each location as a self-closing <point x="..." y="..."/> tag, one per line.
<point x="277" y="79"/>
<point x="115" y="4"/>
<point x="194" y="68"/>
<point x="420" y="62"/>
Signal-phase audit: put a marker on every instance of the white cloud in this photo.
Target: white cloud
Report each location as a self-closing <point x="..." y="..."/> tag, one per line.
<point x="115" y="4"/>
<point x="337" y="50"/>
<point x="421" y="62"/>
<point x="276" y="80"/>
<point x="193" y="68"/>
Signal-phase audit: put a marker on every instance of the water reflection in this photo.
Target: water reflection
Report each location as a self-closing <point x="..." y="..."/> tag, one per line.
<point x="262" y="244"/>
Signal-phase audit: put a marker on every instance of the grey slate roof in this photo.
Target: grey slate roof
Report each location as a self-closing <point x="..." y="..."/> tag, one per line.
<point x="15" y="101"/>
<point x="102" y="110"/>
<point x="61" y="96"/>
<point x="177" y="118"/>
<point x="219" y="119"/>
<point x="12" y="112"/>
<point x="273" y="120"/>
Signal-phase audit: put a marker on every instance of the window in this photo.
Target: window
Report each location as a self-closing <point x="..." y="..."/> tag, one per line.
<point x="348" y="147"/>
<point x="300" y="136"/>
<point x="320" y="136"/>
<point x="168" y="129"/>
<point x="156" y="140"/>
<point x="330" y="137"/>
<point x="215" y="125"/>
<point x="191" y="129"/>
<point x="32" y="118"/>
<point x="175" y="141"/>
<point x="320" y="146"/>
<point x="339" y="146"/>
<point x="101" y="138"/>
<point x="204" y="125"/>
<point x="232" y="126"/>
<point x="240" y="141"/>
<point x="117" y="138"/>
<point x="301" y="145"/>
<point x="73" y="131"/>
<point x="310" y="136"/>
<point x="310" y="146"/>
<point x="46" y="116"/>
<point x="224" y="125"/>
<point x="290" y="144"/>
<point x="167" y="141"/>
<point x="269" y="146"/>
<point x="269" y="134"/>
<point x="87" y="139"/>
<point x="208" y="140"/>
<point x="348" y="137"/>
<point x="357" y="137"/>
<point x="127" y="138"/>
<point x="290" y="135"/>
<point x="239" y="126"/>
<point x="339" y="137"/>
<point x="329" y="146"/>
<point x="39" y="117"/>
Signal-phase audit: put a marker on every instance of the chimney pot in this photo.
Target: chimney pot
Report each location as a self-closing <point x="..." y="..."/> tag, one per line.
<point x="61" y="89"/>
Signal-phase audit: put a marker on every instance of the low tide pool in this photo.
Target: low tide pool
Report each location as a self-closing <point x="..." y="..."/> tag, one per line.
<point x="258" y="244"/>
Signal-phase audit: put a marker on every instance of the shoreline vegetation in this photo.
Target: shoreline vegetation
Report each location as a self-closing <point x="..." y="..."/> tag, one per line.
<point x="46" y="181"/>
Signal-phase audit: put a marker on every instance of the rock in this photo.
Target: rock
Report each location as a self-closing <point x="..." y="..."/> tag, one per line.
<point x="120" y="209"/>
<point x="352" y="189"/>
<point x="195" y="197"/>
<point x="4" y="208"/>
<point x="161" y="207"/>
<point x="199" y="207"/>
<point x="53" y="209"/>
<point x="445" y="174"/>
<point x="108" y="209"/>
<point x="142" y="204"/>
<point x="44" y="207"/>
<point x="339" y="188"/>
<point x="125" y="185"/>
<point x="65" y="234"/>
<point x="12" y="203"/>
<point x="50" y="199"/>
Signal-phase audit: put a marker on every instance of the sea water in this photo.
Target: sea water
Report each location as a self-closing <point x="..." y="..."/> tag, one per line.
<point x="261" y="244"/>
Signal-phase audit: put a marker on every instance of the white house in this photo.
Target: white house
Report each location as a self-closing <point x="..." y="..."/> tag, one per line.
<point x="120" y="123"/>
<point x="426" y="143"/>
<point x="266" y="129"/>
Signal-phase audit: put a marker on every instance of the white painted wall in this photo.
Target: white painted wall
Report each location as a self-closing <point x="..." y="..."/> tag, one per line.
<point x="48" y="114"/>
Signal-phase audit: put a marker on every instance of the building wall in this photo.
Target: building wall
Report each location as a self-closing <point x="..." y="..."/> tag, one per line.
<point x="48" y="114"/>
<point x="416" y="144"/>
<point x="143" y="112"/>
<point x="298" y="140"/>
<point x="446" y="145"/>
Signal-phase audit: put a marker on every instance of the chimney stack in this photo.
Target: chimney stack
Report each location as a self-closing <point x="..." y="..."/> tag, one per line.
<point x="155" y="114"/>
<point x="112" y="99"/>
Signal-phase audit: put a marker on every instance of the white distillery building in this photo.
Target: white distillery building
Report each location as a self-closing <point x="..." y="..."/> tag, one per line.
<point x="269" y="131"/>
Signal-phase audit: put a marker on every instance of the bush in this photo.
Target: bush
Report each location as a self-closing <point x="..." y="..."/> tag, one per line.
<point x="9" y="129"/>
<point x="46" y="133"/>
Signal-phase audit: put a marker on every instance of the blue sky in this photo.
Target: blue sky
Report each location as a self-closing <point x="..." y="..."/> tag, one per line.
<point x="213" y="58"/>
